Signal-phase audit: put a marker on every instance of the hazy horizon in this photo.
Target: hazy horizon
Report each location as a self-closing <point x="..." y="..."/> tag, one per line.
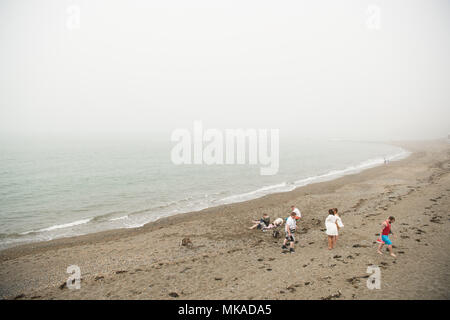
<point x="322" y="69"/>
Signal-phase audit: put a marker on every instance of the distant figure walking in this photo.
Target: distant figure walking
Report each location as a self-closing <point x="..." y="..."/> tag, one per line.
<point x="384" y="236"/>
<point x="332" y="228"/>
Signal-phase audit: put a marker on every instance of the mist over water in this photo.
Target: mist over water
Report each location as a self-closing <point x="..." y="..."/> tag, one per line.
<point x="372" y="70"/>
<point x="52" y="189"/>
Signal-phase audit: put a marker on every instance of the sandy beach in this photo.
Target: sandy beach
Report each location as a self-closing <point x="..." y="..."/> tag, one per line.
<point x="228" y="261"/>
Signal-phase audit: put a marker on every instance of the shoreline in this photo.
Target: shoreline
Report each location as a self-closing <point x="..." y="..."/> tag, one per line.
<point x="229" y="261"/>
<point x="328" y="176"/>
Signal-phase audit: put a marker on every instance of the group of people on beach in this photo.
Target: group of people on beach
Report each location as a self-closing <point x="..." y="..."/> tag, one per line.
<point x="333" y="224"/>
<point x="290" y="226"/>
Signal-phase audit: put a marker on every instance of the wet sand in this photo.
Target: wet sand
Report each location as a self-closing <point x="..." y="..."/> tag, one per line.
<point x="228" y="261"/>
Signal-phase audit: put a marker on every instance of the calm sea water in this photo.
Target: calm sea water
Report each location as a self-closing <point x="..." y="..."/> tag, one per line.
<point x="53" y="189"/>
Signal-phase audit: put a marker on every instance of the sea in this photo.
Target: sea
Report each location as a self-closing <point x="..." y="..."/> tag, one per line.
<point x="53" y="188"/>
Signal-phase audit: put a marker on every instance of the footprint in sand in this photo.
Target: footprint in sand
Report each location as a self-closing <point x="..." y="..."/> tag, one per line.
<point x="435" y="219"/>
<point x="291" y="289"/>
<point x="121" y="271"/>
<point x="185" y="269"/>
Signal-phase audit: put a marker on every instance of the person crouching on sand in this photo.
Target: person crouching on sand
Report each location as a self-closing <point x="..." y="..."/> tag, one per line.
<point x="290" y="227"/>
<point x="384" y="235"/>
<point x="262" y="223"/>
<point x="298" y="214"/>
<point x="278" y="222"/>
<point x="332" y="228"/>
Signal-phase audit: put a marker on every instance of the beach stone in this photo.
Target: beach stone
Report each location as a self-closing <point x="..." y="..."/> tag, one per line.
<point x="336" y="295"/>
<point x="186" y="242"/>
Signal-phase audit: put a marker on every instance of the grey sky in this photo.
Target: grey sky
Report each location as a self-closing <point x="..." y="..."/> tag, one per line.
<point x="309" y="68"/>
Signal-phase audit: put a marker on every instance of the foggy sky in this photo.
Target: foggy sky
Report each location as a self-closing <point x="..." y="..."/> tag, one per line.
<point x="308" y="68"/>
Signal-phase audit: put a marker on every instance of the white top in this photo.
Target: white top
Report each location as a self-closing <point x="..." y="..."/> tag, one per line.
<point x="291" y="223"/>
<point x="330" y="223"/>
<point x="297" y="212"/>
<point x="331" y="219"/>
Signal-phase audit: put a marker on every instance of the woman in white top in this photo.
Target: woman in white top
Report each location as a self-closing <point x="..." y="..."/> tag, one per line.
<point x="332" y="228"/>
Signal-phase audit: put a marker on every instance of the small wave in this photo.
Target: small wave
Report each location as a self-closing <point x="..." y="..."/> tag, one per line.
<point x="284" y="186"/>
<point x="59" y="226"/>
<point x="119" y="218"/>
<point x="134" y="225"/>
<point x="106" y="216"/>
<point x="351" y="169"/>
